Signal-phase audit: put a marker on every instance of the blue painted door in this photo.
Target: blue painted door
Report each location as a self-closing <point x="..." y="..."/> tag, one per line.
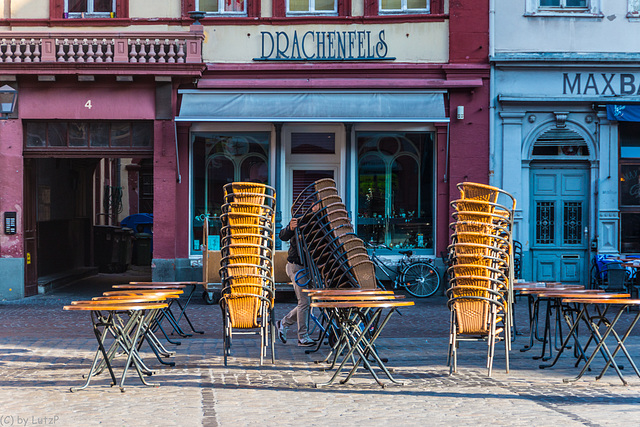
<point x="559" y="215"/>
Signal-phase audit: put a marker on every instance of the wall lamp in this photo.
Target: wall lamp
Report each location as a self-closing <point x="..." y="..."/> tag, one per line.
<point x="8" y="98"/>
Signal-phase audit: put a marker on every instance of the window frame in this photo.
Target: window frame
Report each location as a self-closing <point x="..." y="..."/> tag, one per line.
<point x="252" y="10"/>
<point x="592" y="10"/>
<point x="403" y="9"/>
<point x="371" y="8"/>
<point x="89" y="13"/>
<point x="222" y="12"/>
<point x="57" y="10"/>
<point x="625" y="209"/>
<point x="237" y="162"/>
<point x="312" y="11"/>
<point x="388" y="161"/>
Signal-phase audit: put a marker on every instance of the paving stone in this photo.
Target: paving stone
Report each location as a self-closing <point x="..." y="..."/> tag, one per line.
<point x="44" y="351"/>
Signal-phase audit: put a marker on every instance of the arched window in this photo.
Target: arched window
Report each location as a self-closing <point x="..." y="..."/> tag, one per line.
<point x="560" y="143"/>
<point x="219" y="159"/>
<point x="395" y="188"/>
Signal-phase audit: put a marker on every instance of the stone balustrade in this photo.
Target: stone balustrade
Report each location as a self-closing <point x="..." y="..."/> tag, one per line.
<point x="164" y="48"/>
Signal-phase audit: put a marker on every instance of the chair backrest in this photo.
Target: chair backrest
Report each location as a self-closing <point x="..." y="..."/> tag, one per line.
<point x="615" y="277"/>
<point x="248" y="187"/>
<point x="477" y="191"/>
<point x="472" y="307"/>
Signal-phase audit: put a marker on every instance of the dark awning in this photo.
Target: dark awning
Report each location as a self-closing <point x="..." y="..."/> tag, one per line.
<point x="312" y="106"/>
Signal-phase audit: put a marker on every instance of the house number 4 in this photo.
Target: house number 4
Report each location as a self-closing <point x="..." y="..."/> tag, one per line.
<point x="88" y="105"/>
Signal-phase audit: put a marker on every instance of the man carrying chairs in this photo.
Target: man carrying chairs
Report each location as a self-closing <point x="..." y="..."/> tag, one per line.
<point x="300" y="313"/>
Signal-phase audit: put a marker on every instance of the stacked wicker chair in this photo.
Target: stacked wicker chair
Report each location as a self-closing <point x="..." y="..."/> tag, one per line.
<point x="333" y="256"/>
<point x="247" y="244"/>
<point x="481" y="275"/>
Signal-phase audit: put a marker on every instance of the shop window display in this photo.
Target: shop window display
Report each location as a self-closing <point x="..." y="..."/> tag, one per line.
<point x="395" y="188"/>
<point x="219" y="159"/>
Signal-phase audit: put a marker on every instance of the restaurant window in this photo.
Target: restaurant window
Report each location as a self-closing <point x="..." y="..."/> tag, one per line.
<point x="396" y="189"/>
<point x="221" y="7"/>
<point x="629" y="190"/>
<point x="218" y="159"/>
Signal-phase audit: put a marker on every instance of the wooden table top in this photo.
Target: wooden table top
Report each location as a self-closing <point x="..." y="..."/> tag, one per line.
<point x="356" y="297"/>
<point x="581" y="295"/>
<point x="144" y="292"/>
<point x="361" y="304"/>
<point x="168" y="283"/>
<point x="137" y="298"/>
<point x="556" y="288"/>
<point x="631" y="264"/>
<point x="592" y="300"/>
<point x="347" y="292"/>
<point x="148" y="286"/>
<point x="115" y="306"/>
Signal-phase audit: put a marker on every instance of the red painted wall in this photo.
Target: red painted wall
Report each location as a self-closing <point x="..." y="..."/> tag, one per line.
<point x="469" y="31"/>
<point x="11" y="193"/>
<point x="65" y="100"/>
<point x="469" y="137"/>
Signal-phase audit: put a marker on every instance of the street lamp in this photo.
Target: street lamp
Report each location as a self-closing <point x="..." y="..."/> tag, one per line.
<point x="8" y="96"/>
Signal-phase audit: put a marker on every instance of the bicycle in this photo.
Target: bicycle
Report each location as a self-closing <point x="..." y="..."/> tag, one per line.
<point x="419" y="278"/>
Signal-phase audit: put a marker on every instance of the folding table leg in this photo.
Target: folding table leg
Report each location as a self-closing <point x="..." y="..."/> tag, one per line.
<point x="100" y="337"/>
<point x="621" y="346"/>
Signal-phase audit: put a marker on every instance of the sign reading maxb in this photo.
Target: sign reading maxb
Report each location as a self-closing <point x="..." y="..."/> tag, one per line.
<point x="323" y="46"/>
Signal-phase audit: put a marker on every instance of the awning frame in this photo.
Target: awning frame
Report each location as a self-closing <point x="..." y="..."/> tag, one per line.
<point x="313" y="106"/>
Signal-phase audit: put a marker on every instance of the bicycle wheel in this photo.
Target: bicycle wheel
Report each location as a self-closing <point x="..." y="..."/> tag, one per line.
<point x="420" y="279"/>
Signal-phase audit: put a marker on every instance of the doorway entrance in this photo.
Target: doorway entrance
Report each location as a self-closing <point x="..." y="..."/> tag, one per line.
<point x="73" y="208"/>
<point x="559" y="222"/>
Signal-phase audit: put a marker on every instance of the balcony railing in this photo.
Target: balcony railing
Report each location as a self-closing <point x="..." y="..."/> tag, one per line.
<point x="161" y="48"/>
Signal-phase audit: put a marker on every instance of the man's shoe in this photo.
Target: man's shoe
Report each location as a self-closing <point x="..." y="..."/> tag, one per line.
<point x="282" y="332"/>
<point x="306" y="342"/>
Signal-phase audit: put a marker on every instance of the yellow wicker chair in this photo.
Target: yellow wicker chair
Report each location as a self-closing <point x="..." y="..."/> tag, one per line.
<point x="488" y="193"/>
<point x="246" y="249"/>
<point x="474" y="317"/>
<point x="252" y="198"/>
<point x="248" y="187"/>
<point x="247" y="308"/>
<point x="237" y="218"/>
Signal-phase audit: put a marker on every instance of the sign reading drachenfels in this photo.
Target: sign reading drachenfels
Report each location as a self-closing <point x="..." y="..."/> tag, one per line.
<point x="600" y="84"/>
<point x="323" y="46"/>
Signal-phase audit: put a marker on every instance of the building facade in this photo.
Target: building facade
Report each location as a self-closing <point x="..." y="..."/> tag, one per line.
<point x="564" y="139"/>
<point x="389" y="98"/>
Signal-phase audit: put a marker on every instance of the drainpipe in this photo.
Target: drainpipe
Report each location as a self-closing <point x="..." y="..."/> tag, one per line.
<point x="278" y="136"/>
<point x="175" y="135"/>
<point x="492" y="95"/>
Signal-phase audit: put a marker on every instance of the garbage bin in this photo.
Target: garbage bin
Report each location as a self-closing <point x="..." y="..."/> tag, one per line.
<point x="139" y="223"/>
<point x="142" y="248"/>
<point x="107" y="247"/>
<point x="142" y="226"/>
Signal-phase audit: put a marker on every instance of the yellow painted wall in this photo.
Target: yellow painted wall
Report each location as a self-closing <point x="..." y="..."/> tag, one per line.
<point x="22" y="9"/>
<point x="408" y="42"/>
<point x="154" y="8"/>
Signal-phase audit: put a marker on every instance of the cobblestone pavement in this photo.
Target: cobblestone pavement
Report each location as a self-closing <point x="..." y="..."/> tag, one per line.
<point x="45" y="350"/>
